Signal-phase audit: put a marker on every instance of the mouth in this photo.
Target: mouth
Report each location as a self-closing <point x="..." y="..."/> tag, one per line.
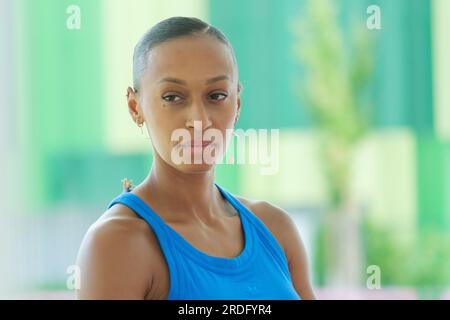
<point x="196" y="144"/>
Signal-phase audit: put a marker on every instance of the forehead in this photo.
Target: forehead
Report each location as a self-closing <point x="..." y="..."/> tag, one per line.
<point x="191" y="58"/>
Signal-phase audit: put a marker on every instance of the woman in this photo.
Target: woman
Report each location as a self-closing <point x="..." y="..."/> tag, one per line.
<point x="179" y="235"/>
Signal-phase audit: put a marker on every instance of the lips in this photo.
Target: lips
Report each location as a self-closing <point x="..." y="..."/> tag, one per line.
<point x="196" y="144"/>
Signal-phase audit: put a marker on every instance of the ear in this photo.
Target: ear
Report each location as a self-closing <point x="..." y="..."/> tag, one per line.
<point x="238" y="110"/>
<point x="133" y="106"/>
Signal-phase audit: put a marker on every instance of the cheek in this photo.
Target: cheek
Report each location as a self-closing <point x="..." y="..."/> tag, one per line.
<point x="156" y="124"/>
<point x="154" y="115"/>
<point x="228" y="111"/>
<point x="162" y="126"/>
<point x="161" y="129"/>
<point x="229" y="117"/>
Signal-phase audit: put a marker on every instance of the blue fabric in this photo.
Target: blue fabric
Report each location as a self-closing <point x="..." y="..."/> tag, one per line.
<point x="259" y="272"/>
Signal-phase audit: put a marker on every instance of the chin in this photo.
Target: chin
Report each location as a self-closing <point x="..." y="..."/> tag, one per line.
<point x="194" y="168"/>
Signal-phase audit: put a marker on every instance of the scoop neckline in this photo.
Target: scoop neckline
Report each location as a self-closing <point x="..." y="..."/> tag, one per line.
<point x="222" y="264"/>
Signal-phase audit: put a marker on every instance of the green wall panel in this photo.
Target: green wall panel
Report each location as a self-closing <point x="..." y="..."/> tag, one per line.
<point x="403" y="86"/>
<point x="95" y="179"/>
<point x="433" y="183"/>
<point x="62" y="85"/>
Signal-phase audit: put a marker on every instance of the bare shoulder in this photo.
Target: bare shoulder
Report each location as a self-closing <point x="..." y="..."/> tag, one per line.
<point x="116" y="257"/>
<point x="283" y="227"/>
<point x="278" y="221"/>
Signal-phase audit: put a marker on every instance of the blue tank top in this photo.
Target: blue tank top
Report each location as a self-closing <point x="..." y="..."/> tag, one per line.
<point x="259" y="272"/>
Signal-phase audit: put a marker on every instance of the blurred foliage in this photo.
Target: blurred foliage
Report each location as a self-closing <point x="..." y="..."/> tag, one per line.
<point x="421" y="261"/>
<point x="337" y="75"/>
<point x="337" y="66"/>
<point x="319" y="260"/>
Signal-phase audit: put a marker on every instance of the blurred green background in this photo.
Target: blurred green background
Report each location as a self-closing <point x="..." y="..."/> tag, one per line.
<point x="363" y="114"/>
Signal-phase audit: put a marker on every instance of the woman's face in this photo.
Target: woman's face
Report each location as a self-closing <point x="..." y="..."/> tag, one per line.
<point x="187" y="79"/>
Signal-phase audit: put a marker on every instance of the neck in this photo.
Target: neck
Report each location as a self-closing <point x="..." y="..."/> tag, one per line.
<point x="190" y="196"/>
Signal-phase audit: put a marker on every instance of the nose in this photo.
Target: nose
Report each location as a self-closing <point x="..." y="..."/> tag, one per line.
<point x="198" y="114"/>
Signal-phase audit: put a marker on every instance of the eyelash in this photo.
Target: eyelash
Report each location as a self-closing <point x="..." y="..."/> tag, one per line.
<point x="171" y="96"/>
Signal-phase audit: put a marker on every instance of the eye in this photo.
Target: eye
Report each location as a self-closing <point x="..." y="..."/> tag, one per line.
<point x="218" y="96"/>
<point x="172" y="98"/>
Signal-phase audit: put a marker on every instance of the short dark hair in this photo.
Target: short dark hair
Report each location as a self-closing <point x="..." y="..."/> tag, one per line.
<point x="168" y="29"/>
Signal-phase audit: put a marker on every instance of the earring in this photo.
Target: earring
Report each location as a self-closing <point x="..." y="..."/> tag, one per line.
<point x="140" y="126"/>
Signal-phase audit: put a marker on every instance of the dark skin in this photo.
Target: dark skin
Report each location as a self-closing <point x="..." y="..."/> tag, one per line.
<point x="186" y="79"/>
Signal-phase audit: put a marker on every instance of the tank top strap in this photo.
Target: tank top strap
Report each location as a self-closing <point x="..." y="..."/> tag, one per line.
<point x="135" y="203"/>
<point x="158" y="226"/>
<point x="265" y="235"/>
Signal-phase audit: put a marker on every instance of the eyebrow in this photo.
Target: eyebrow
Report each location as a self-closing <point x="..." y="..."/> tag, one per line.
<point x="182" y="82"/>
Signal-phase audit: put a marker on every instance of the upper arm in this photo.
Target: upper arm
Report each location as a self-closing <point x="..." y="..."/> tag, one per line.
<point x="112" y="263"/>
<point x="285" y="230"/>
